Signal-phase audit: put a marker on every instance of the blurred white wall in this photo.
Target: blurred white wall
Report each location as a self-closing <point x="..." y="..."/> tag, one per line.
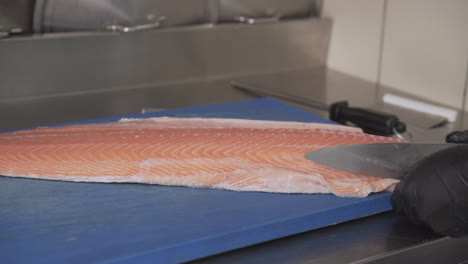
<point x="355" y="38"/>
<point x="421" y="46"/>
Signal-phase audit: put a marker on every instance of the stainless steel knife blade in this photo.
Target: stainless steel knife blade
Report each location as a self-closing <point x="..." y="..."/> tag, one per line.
<point x="387" y="160"/>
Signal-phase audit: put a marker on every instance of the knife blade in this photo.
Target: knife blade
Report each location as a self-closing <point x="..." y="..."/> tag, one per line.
<point x="386" y="160"/>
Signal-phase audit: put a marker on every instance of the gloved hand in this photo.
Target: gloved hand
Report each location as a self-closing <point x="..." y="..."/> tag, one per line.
<point x="457" y="137"/>
<point x="435" y="191"/>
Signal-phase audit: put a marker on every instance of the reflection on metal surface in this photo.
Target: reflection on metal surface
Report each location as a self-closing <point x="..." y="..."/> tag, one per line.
<point x="151" y="109"/>
<point x="15" y="17"/>
<point x="11" y="32"/>
<point x="443" y="250"/>
<point x="262" y="92"/>
<point x="120" y="28"/>
<point x="256" y="11"/>
<point x="403" y="102"/>
<point x="387" y="160"/>
<point x="402" y="137"/>
<point x="251" y="20"/>
<point x="86" y="15"/>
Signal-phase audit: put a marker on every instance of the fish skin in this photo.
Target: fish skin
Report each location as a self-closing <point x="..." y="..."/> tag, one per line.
<point x="232" y="154"/>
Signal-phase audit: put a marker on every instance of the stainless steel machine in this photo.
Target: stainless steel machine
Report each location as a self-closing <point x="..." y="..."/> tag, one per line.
<point x="63" y="61"/>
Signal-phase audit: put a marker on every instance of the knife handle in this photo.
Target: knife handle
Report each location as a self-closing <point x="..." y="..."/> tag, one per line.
<point x="435" y="192"/>
<point x="372" y="122"/>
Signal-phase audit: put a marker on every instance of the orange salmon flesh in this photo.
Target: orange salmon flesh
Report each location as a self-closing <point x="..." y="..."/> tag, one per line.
<point x="231" y="154"/>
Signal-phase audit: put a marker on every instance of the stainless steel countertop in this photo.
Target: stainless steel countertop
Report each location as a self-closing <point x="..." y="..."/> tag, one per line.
<point x="382" y="238"/>
<point x="314" y="83"/>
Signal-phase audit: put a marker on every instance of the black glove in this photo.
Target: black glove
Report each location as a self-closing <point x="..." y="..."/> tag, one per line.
<point x="435" y="192"/>
<point x="457" y="137"/>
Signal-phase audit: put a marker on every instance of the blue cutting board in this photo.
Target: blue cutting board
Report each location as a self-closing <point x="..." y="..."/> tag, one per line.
<point x="62" y="222"/>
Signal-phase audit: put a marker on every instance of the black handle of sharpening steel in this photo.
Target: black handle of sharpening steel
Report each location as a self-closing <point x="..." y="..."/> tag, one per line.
<point x="434" y="192"/>
<point x="372" y="122"/>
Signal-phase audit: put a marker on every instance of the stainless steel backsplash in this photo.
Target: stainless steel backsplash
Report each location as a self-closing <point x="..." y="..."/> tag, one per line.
<point x="62" y="77"/>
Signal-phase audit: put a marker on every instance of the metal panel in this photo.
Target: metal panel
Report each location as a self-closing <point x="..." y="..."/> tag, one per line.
<point x="235" y="10"/>
<point x="266" y="47"/>
<point x="67" y="64"/>
<point x="90" y="15"/>
<point x="58" y="65"/>
<point x="16" y="16"/>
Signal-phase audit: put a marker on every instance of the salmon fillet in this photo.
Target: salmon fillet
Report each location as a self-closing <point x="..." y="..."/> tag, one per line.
<point x="232" y="154"/>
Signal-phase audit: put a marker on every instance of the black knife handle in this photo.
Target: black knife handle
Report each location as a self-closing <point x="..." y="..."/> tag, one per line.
<point x="435" y="192"/>
<point x="371" y="121"/>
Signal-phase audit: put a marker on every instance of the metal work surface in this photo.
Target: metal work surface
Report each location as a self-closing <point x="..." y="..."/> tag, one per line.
<point x="315" y="83"/>
<point x="383" y="238"/>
